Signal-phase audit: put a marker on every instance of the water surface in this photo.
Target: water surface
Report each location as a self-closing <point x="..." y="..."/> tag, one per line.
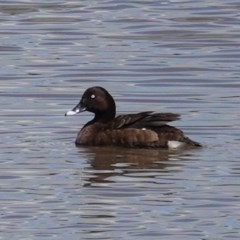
<point x="178" y="56"/>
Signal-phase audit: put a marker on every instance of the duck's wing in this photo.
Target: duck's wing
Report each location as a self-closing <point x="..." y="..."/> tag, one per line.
<point x="143" y="119"/>
<point x="158" y="119"/>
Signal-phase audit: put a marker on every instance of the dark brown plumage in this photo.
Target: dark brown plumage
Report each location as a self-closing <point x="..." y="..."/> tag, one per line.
<point x="144" y="129"/>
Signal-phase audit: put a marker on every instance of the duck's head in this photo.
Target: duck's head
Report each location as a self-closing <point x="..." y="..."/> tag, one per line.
<point x="98" y="101"/>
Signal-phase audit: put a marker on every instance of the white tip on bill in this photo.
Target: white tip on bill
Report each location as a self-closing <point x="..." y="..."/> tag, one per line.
<point x="70" y="113"/>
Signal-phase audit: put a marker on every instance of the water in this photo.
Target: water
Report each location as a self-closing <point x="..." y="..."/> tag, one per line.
<point x="179" y="56"/>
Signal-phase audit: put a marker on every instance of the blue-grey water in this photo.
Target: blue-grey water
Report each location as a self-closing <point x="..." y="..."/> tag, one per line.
<point x="175" y="56"/>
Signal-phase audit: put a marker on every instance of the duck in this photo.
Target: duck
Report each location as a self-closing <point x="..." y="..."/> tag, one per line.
<point x="147" y="129"/>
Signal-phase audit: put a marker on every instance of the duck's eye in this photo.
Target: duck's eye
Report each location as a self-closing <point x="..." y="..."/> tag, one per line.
<point x="92" y="96"/>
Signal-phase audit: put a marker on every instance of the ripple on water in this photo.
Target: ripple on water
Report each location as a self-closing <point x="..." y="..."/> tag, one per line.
<point x="173" y="56"/>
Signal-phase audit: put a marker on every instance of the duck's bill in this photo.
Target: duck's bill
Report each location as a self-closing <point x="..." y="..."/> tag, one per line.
<point x="75" y="110"/>
<point x="70" y="113"/>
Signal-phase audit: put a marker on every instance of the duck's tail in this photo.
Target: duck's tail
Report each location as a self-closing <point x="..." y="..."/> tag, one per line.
<point x="192" y="143"/>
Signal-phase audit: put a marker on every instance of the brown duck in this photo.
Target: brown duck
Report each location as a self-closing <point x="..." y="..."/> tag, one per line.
<point x="140" y="130"/>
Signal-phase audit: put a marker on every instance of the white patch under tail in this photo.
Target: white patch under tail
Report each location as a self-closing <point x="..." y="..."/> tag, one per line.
<point x="175" y="144"/>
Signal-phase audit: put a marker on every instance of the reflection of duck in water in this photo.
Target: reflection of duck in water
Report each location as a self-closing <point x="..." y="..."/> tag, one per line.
<point x="108" y="162"/>
<point x="142" y="130"/>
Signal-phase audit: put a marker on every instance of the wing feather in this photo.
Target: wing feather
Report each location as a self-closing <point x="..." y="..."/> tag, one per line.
<point x="143" y="119"/>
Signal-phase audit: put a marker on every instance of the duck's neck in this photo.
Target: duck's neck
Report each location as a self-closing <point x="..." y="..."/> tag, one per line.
<point x="104" y="117"/>
<point x="107" y="113"/>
